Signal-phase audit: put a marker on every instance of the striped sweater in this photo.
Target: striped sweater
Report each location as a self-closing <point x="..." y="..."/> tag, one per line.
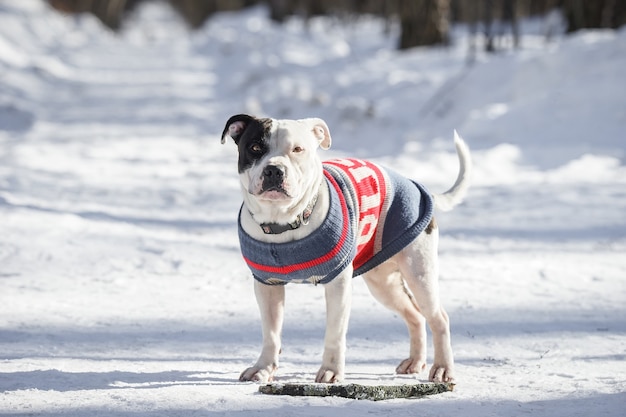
<point x="373" y="214"/>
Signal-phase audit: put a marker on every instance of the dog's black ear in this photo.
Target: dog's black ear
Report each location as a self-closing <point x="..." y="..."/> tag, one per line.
<point x="235" y="127"/>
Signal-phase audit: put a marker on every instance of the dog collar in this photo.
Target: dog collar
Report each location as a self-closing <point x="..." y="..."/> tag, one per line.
<point x="303" y="218"/>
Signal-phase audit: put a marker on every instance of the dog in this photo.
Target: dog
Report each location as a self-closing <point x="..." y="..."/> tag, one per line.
<point x="306" y="221"/>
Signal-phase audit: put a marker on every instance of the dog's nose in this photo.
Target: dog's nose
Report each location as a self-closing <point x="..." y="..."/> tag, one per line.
<point x="273" y="173"/>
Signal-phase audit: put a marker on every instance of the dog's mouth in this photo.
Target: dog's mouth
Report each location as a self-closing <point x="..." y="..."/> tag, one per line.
<point x="274" y="192"/>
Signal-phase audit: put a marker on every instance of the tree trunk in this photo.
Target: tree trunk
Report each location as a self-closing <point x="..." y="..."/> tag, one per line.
<point x="423" y="22"/>
<point x="279" y="10"/>
<point x="588" y="14"/>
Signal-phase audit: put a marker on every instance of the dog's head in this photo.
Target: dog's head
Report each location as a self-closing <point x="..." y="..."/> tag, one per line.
<point x="278" y="160"/>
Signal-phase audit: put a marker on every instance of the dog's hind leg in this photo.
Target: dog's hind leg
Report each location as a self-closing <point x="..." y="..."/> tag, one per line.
<point x="419" y="265"/>
<point x="387" y="285"/>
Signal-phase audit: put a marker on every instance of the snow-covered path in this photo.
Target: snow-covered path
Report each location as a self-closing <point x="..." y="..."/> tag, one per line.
<point x="122" y="291"/>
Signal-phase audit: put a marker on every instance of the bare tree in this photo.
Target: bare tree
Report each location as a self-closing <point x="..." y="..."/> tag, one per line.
<point x="507" y="10"/>
<point x="594" y="14"/>
<point x="110" y="12"/>
<point x="196" y="12"/>
<point x="423" y="22"/>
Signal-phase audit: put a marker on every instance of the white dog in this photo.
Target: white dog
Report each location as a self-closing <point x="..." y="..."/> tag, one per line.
<point x="307" y="221"/>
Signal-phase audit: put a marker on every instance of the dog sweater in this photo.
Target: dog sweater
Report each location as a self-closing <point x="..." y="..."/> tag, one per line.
<point x="373" y="214"/>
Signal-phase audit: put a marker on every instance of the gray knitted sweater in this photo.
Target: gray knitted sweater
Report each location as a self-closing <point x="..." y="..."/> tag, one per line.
<point x="373" y="214"/>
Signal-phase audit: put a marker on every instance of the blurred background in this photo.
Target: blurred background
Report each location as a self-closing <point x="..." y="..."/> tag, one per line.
<point x="423" y="22"/>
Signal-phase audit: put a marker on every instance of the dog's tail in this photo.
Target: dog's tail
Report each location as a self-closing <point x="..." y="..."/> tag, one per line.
<point x="457" y="192"/>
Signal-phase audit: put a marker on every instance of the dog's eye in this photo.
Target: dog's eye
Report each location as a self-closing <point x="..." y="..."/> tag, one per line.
<point x="256" y="148"/>
<point x="298" y="149"/>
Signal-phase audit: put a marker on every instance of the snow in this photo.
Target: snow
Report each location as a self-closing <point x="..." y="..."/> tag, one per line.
<point x="122" y="290"/>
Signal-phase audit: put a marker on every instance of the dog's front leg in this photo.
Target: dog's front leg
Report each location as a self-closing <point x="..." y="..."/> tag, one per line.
<point x="338" y="304"/>
<point x="271" y="300"/>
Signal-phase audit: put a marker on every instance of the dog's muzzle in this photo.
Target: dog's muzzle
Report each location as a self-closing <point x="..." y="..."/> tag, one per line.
<point x="273" y="178"/>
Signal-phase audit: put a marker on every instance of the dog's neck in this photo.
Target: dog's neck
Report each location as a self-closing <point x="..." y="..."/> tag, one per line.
<point x="286" y="223"/>
<point x="301" y="218"/>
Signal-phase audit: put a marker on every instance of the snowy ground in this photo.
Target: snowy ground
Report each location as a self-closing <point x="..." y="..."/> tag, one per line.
<point x="122" y="291"/>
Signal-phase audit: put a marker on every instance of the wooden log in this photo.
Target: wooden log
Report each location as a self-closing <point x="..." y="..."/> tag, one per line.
<point x="356" y="391"/>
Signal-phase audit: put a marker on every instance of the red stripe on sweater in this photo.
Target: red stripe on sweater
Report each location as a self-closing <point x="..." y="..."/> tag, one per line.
<point x="368" y="182"/>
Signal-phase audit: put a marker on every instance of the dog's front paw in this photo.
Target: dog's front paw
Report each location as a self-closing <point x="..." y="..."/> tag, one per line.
<point x="411" y="366"/>
<point x="328" y="376"/>
<point x="259" y="374"/>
